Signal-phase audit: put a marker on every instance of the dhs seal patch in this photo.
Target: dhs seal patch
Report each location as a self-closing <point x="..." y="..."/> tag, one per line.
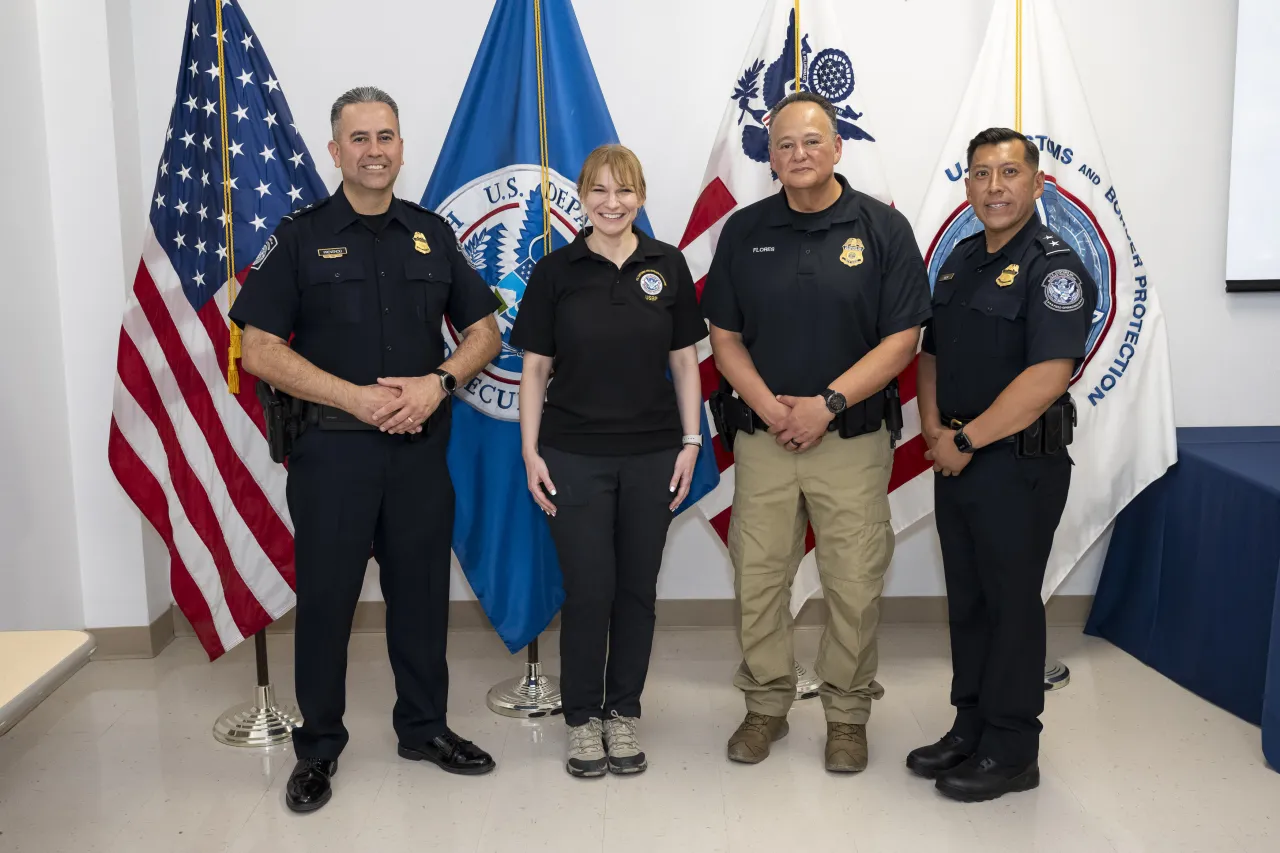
<point x="651" y="282"/>
<point x="1062" y="291"/>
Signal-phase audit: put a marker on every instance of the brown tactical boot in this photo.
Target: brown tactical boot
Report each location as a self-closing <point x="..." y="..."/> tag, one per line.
<point x="750" y="743"/>
<point x="846" y="747"/>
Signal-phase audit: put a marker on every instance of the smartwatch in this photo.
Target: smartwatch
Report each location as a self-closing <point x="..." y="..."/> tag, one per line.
<point x="836" y="403"/>
<point x="447" y="381"/>
<point x="963" y="444"/>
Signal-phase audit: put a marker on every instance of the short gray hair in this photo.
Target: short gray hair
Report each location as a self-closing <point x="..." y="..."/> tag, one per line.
<point x="360" y="95"/>
<point x="806" y="98"/>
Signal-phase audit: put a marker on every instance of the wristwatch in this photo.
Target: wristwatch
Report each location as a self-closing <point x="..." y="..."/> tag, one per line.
<point x="695" y="440"/>
<point x="963" y="444"/>
<point x="447" y="381"/>
<point x="836" y="403"/>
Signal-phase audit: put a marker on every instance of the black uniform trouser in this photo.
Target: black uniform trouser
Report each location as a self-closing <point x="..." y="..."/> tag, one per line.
<point x="996" y="522"/>
<point x="610" y="528"/>
<point x="349" y="492"/>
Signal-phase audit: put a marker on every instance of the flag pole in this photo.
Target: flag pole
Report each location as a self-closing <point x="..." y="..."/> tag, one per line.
<point x="533" y="694"/>
<point x="261" y="722"/>
<point x="530" y="696"/>
<point x="1056" y="673"/>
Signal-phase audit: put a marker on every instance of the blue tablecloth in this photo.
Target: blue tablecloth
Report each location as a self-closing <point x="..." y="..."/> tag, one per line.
<point x="1189" y="586"/>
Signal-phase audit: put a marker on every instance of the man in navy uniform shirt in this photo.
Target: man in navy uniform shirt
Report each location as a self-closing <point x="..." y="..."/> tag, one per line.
<point x="1012" y="309"/>
<point x="360" y="282"/>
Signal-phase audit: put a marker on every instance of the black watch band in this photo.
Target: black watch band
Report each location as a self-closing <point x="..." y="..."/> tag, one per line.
<point x="963" y="444"/>
<point x="448" y="381"/>
<point x="836" y="402"/>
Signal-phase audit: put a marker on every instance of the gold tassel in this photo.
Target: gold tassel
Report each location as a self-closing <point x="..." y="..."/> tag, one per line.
<point x="233" y="353"/>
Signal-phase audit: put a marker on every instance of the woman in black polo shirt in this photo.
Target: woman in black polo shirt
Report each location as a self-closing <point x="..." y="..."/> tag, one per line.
<point x="611" y="452"/>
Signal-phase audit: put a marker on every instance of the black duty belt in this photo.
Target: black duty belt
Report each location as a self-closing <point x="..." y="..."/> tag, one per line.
<point x="331" y="419"/>
<point x="961" y="423"/>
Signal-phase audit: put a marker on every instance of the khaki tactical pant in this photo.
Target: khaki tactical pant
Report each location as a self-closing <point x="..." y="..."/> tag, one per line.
<point x="841" y="488"/>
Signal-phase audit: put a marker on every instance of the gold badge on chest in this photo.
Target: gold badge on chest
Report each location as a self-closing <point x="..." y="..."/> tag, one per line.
<point x="1006" y="278"/>
<point x="420" y="243"/>
<point x="851" y="253"/>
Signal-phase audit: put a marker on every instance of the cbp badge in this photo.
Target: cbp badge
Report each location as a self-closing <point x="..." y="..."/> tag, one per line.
<point x="1006" y="278"/>
<point x="851" y="254"/>
<point x="651" y="282"/>
<point x="420" y="243"/>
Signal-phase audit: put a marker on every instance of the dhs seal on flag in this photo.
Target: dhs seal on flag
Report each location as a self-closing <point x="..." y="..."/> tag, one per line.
<point x="498" y="220"/>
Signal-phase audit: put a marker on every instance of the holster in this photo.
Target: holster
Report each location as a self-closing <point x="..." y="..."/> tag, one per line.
<point x="1051" y="433"/>
<point x="284" y="422"/>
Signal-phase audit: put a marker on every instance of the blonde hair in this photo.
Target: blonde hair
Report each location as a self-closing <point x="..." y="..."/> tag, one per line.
<point x="622" y="163"/>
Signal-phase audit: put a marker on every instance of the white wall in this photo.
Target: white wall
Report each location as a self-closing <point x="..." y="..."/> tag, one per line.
<point x="1158" y="74"/>
<point x="39" y="569"/>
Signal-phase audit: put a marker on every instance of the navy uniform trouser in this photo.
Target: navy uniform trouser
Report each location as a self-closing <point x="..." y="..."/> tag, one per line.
<point x="996" y="522"/>
<point x="350" y="493"/>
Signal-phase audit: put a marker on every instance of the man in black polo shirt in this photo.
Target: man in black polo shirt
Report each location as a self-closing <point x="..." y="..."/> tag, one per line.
<point x="815" y="299"/>
<point x="360" y="282"/>
<point x="1012" y="310"/>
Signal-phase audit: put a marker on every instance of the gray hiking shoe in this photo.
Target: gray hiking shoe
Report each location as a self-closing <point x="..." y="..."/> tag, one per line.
<point x="625" y="755"/>
<point x="586" y="750"/>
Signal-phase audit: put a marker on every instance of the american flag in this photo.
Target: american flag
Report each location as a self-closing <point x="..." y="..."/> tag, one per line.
<point x="190" y="454"/>
<point x="738" y="174"/>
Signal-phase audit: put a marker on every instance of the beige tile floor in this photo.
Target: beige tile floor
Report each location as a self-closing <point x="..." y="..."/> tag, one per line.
<point x="120" y="760"/>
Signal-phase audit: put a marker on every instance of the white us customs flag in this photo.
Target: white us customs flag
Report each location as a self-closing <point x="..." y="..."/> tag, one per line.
<point x="1125" y="436"/>
<point x="738" y="174"/>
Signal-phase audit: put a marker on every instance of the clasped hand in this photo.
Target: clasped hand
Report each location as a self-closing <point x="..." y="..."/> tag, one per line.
<point x="800" y="423"/>
<point x="399" y="405"/>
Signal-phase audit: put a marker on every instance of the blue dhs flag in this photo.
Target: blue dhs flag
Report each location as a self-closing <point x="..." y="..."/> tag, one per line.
<point x="530" y="113"/>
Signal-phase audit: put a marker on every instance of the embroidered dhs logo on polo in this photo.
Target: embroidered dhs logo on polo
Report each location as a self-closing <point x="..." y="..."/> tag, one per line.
<point x="652" y="283"/>
<point x="498" y="220"/>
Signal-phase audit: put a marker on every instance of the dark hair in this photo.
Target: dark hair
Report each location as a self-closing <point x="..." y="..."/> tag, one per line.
<point x="996" y="135"/>
<point x="359" y="95"/>
<point x="806" y="98"/>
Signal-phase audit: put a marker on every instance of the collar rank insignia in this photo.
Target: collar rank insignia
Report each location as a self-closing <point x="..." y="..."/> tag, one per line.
<point x="851" y="253"/>
<point x="330" y="254"/>
<point x="1006" y="278"/>
<point x="420" y="243"/>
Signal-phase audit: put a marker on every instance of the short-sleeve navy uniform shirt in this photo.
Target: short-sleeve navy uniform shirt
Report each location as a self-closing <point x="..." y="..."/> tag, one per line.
<point x="363" y="297"/>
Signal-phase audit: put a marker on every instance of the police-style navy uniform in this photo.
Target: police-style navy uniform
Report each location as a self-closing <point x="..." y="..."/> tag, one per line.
<point x="363" y="297"/>
<point x="610" y="435"/>
<point x="995" y="315"/>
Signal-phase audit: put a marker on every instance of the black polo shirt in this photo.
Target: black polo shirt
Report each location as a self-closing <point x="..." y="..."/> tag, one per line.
<point x="995" y="315"/>
<point x="610" y="332"/>
<point x="363" y="304"/>
<point x="812" y="293"/>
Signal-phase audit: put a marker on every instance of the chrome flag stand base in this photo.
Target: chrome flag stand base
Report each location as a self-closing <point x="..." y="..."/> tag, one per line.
<point x="1056" y="675"/>
<point x="807" y="684"/>
<point x="530" y="696"/>
<point x="261" y="722"/>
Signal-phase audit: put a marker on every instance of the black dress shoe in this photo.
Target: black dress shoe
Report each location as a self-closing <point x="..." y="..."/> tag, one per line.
<point x="451" y="753"/>
<point x="980" y="779"/>
<point x="308" y="787"/>
<point x="946" y="754"/>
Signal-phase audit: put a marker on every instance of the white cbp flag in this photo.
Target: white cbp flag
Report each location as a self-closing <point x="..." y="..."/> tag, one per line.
<point x="738" y="174"/>
<point x="1125" y="436"/>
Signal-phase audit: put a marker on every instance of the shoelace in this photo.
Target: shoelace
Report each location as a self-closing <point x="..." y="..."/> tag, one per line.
<point x="843" y="731"/>
<point x="755" y="723"/>
<point x="585" y="739"/>
<point x="622" y="732"/>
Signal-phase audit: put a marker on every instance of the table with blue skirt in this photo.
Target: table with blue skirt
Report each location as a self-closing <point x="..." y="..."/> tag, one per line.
<point x="1189" y="586"/>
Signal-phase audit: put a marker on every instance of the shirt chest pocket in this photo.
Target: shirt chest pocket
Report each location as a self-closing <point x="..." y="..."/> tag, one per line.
<point x="1002" y="320"/>
<point x="427" y="282"/>
<point x="335" y="290"/>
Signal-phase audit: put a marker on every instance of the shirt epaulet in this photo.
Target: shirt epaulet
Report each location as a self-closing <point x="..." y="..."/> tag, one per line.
<point x="303" y="211"/>
<point x="1051" y="244"/>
